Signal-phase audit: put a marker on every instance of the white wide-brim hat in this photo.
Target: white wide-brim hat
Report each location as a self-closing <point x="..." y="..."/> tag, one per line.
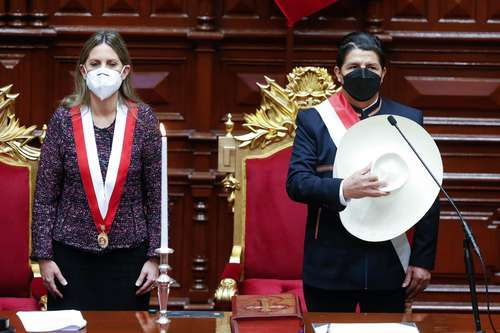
<point x="374" y="141"/>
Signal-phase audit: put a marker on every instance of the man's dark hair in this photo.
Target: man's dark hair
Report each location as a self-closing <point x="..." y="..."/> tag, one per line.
<point x="360" y="40"/>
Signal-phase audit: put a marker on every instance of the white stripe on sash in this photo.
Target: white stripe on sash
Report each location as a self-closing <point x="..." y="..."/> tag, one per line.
<point x="403" y="250"/>
<point x="332" y="121"/>
<point x="103" y="190"/>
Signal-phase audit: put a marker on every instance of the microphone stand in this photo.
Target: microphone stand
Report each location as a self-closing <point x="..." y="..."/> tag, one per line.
<point x="469" y="239"/>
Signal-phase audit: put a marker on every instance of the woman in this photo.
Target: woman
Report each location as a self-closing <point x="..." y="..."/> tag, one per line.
<point x="97" y="200"/>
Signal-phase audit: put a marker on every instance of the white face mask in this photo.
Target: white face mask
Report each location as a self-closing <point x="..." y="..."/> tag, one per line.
<point x="104" y="82"/>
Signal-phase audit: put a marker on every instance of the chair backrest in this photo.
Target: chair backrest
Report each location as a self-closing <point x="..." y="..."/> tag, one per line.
<point x="18" y="162"/>
<point x="269" y="227"/>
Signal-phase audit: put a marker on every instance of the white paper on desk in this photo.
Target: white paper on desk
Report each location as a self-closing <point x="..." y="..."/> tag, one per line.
<point x="44" y="321"/>
<point x="366" y="328"/>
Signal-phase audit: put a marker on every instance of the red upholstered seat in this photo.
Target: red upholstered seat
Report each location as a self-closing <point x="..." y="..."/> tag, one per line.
<point x="19" y="304"/>
<point x="14" y="238"/>
<point x="275" y="225"/>
<point x="18" y="161"/>
<point x="17" y="277"/>
<point x="274" y="231"/>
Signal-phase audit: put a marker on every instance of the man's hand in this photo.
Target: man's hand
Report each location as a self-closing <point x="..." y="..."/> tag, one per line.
<point x="148" y="276"/>
<point x="416" y="280"/>
<point x="49" y="272"/>
<point x="362" y="184"/>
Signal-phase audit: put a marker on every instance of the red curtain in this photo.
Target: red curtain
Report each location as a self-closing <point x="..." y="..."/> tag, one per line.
<point x="294" y="10"/>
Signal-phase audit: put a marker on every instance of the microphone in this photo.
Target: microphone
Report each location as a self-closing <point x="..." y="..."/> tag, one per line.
<point x="469" y="237"/>
<point x="467" y="229"/>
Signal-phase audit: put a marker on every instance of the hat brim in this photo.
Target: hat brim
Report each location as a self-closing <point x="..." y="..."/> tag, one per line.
<point x="384" y="218"/>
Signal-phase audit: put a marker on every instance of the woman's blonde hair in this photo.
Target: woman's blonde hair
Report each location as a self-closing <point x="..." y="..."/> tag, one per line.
<point x="81" y="95"/>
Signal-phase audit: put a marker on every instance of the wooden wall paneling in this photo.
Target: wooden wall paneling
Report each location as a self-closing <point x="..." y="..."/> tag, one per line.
<point x="252" y="15"/>
<point x="449" y="260"/>
<point x="15" y="68"/>
<point x="493" y="12"/>
<point x="64" y="71"/>
<point x="443" y="15"/>
<point x="177" y="209"/>
<point x="38" y="13"/>
<point x="238" y="92"/>
<point x="205" y="15"/>
<point x="374" y="17"/>
<point x="3" y="14"/>
<point x="120" y="7"/>
<point x="463" y="11"/>
<point x="42" y="86"/>
<point x="161" y="83"/>
<point x="168" y="8"/>
<point x="202" y="249"/>
<point x="64" y="8"/>
<point x="18" y="13"/>
<point x="454" y="88"/>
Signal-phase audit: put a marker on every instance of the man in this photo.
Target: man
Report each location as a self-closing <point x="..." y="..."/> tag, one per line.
<point x="340" y="270"/>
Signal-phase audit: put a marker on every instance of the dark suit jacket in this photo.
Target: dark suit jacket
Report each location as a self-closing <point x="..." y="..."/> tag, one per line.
<point x="335" y="259"/>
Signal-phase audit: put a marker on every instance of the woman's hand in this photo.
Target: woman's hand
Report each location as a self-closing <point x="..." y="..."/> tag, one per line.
<point x="148" y="276"/>
<point x="50" y="272"/>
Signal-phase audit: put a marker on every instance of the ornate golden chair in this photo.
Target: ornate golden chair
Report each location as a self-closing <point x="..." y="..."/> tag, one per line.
<point x="269" y="228"/>
<point x="18" y="163"/>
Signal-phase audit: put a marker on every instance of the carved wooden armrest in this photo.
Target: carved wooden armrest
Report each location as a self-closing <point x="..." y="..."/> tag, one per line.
<point x="228" y="286"/>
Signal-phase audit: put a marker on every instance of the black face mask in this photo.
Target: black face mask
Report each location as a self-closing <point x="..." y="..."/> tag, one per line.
<point x="362" y="84"/>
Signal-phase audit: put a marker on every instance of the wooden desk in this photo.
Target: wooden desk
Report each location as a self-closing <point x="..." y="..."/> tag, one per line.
<point x="426" y="323"/>
<point x="142" y="322"/>
<point x="137" y="322"/>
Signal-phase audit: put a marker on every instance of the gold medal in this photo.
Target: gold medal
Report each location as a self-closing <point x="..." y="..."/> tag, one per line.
<point x="102" y="238"/>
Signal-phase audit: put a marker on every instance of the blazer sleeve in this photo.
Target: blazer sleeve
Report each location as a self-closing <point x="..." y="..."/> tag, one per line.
<point x="303" y="184"/>
<point x="151" y="175"/>
<point x="48" y="189"/>
<point x="423" y="252"/>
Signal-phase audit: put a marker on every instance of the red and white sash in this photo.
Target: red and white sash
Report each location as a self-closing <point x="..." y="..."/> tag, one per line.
<point x="338" y="116"/>
<point x="103" y="196"/>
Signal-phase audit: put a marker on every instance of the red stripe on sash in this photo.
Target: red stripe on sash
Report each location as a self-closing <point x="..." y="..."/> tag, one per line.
<point x="344" y="110"/>
<point x="83" y="164"/>
<point x="410" y="234"/>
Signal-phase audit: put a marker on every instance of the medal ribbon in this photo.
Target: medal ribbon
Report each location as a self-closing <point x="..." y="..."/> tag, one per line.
<point x="104" y="208"/>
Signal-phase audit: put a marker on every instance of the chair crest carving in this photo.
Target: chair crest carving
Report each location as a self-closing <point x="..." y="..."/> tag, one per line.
<point x="15" y="139"/>
<point x="274" y="119"/>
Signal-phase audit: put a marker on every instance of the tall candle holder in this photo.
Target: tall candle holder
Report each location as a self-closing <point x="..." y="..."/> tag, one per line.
<point x="163" y="283"/>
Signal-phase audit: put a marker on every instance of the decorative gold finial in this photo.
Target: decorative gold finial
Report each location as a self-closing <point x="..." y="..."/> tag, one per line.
<point x="229" y="126"/>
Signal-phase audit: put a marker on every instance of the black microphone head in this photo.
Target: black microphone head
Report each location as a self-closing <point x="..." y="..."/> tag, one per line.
<point x="392" y="120"/>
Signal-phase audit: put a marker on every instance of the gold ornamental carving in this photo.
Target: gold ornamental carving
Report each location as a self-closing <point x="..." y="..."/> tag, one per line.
<point x="15" y="139"/>
<point x="226" y="290"/>
<point x="230" y="184"/>
<point x="274" y="119"/>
